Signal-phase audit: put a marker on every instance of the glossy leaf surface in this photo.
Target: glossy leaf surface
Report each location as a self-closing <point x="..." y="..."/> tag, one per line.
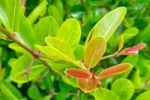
<point x="114" y="70"/>
<point x="108" y="24"/>
<point x="94" y="51"/>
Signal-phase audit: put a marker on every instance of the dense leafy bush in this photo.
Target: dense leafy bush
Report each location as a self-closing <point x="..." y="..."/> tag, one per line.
<point x="62" y="49"/>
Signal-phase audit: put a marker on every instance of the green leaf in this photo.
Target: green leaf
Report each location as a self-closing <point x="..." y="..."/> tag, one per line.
<point x="56" y="49"/>
<point x="47" y="26"/>
<point x="54" y="11"/>
<point x="25" y="32"/>
<point x="79" y="52"/>
<point x="38" y="11"/>
<point x="17" y="48"/>
<point x="94" y="51"/>
<point x="108" y="24"/>
<point x="130" y="33"/>
<point x="34" y="93"/>
<point x="20" y="66"/>
<point x="10" y="91"/>
<point x="144" y="36"/>
<point x="132" y="59"/>
<point x="9" y="14"/>
<point x="135" y="78"/>
<point x="70" y="32"/>
<point x="144" y="96"/>
<point x="124" y="88"/>
<point x="105" y="94"/>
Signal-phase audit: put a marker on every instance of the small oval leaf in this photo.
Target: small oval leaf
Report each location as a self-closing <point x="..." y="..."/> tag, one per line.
<point x="114" y="70"/>
<point x="87" y="85"/>
<point x="78" y="73"/>
<point x="70" y="32"/>
<point x="94" y="51"/>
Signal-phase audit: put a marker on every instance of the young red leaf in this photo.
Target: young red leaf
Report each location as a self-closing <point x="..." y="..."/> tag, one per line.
<point x="87" y="85"/>
<point x="133" y="50"/>
<point x="78" y="73"/>
<point x="114" y="70"/>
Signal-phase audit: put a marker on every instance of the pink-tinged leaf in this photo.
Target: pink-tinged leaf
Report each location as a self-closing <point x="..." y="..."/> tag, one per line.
<point x="88" y="85"/>
<point x="78" y="73"/>
<point x="94" y="50"/>
<point x="133" y="50"/>
<point x="114" y="70"/>
<point x="121" y="43"/>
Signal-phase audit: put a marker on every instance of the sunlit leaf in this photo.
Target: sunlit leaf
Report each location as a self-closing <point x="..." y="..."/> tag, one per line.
<point x="19" y="69"/>
<point x="70" y="32"/>
<point x="144" y="96"/>
<point x="114" y="70"/>
<point x="124" y="88"/>
<point x="108" y="24"/>
<point x="78" y="73"/>
<point x="94" y="51"/>
<point x="105" y="94"/>
<point x="87" y="85"/>
<point x="25" y="32"/>
<point x="10" y="13"/>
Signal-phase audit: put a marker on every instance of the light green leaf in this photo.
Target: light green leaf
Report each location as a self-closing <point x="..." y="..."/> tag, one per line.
<point x="32" y="91"/>
<point x="38" y="11"/>
<point x="130" y="33"/>
<point x="9" y="14"/>
<point x="79" y="52"/>
<point x="17" y="48"/>
<point x="144" y="96"/>
<point x="57" y="50"/>
<point x="108" y="24"/>
<point x="47" y="26"/>
<point x="10" y="91"/>
<point x="70" y="32"/>
<point x="25" y="32"/>
<point x="19" y="68"/>
<point x="105" y="94"/>
<point x="124" y="88"/>
<point x="94" y="51"/>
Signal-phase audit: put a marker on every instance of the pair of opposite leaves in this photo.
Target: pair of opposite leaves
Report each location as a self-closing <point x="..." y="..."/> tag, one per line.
<point x="94" y="50"/>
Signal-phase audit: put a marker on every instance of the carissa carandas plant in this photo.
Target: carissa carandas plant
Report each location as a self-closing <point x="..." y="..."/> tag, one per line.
<point x="51" y="46"/>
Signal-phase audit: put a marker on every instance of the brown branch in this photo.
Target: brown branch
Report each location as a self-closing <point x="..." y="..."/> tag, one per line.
<point x="34" y="53"/>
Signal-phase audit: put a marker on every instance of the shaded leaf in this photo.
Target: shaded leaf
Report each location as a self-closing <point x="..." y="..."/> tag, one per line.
<point x="38" y="11"/>
<point x="94" y="51"/>
<point x="32" y="91"/>
<point x="46" y="26"/>
<point x="10" y="91"/>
